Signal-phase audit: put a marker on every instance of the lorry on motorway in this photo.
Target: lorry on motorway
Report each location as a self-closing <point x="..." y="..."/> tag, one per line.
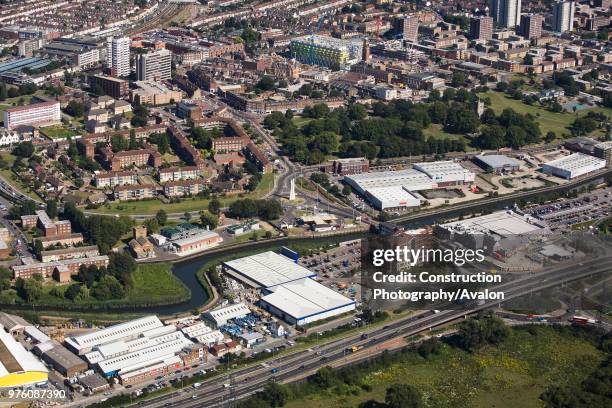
<point x="355" y="349"/>
<point x="581" y="320"/>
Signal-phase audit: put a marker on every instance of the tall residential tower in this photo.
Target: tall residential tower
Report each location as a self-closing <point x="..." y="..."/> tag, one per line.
<point x="154" y="66"/>
<point x="506" y="13"/>
<point x="118" y="56"/>
<point x="563" y="16"/>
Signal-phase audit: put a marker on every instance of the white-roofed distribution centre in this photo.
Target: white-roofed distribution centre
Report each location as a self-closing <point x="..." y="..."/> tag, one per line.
<point x="266" y="269"/>
<point x="574" y="165"/>
<point x="305" y="301"/>
<point x="287" y="289"/>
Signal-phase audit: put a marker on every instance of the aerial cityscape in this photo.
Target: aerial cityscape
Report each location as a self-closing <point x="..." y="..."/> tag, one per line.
<point x="306" y="203"/>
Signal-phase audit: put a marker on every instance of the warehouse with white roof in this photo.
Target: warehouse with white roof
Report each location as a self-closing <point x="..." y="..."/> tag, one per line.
<point x="574" y="165"/>
<point x="265" y="269"/>
<point x="129" y="330"/>
<point x="392" y="198"/>
<point x="305" y="301"/>
<point x="287" y="290"/>
<point x="445" y="173"/>
<point x="395" y="190"/>
<point x="218" y="317"/>
<point x="412" y="179"/>
<point x="18" y="367"/>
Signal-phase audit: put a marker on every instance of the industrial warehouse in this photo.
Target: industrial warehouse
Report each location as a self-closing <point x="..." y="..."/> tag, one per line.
<point x="488" y="231"/>
<point x="136" y="349"/>
<point x="287" y="288"/>
<point x="574" y="165"/>
<point x="18" y="367"/>
<point x="395" y="190"/>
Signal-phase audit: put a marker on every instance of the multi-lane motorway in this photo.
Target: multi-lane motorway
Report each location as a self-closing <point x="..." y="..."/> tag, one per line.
<point x="218" y="391"/>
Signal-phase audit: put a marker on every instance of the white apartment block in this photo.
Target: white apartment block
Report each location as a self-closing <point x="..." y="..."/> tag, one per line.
<point x="31" y="115"/>
<point x="563" y="16"/>
<point x="118" y="55"/>
<point x="154" y="66"/>
<point x="506" y="13"/>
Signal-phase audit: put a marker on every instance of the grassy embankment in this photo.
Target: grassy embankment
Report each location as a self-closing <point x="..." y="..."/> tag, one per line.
<point x="513" y="374"/>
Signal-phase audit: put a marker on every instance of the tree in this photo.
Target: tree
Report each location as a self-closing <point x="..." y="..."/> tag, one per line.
<point x="209" y="220"/>
<point x="52" y="208"/>
<point x="266" y="83"/>
<point x="275" y="394"/>
<point x="249" y="36"/>
<point x="187" y="216"/>
<point x="72" y="291"/>
<point x="133" y="143"/>
<point x="152" y="225"/>
<point x="108" y="288"/>
<point x="141" y="115"/>
<point x="30" y="290"/>
<point x="118" y="143"/>
<point x="121" y="266"/>
<point x="38" y="247"/>
<point x="346" y="190"/>
<point x="214" y="206"/>
<point x="403" y="396"/>
<point x="74" y="109"/>
<point x="483" y="329"/>
<point x="24" y="149"/>
<point x="356" y="111"/>
<point x="550" y="136"/>
<point x="161" y="217"/>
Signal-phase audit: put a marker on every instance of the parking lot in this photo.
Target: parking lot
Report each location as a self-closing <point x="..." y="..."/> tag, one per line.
<point x="564" y="213"/>
<point x="338" y="268"/>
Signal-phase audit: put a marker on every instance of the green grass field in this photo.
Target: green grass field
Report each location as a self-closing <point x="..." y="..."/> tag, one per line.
<point x="511" y="375"/>
<point x="154" y="284"/>
<point x="194" y="204"/>
<point x="436" y="131"/>
<point x="557" y="122"/>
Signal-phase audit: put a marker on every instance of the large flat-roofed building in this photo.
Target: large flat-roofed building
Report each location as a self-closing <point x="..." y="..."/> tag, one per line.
<point x="326" y="51"/>
<point x="62" y="270"/>
<point x="69" y="253"/>
<point x="154" y="93"/>
<point x="179" y="173"/>
<point x="574" y="165"/>
<point x="32" y="115"/>
<point x="445" y="173"/>
<point x="265" y="270"/>
<point x="136" y="350"/>
<point x="391" y="190"/>
<point x="115" y="87"/>
<point x="305" y="301"/>
<point x="62" y="360"/>
<point x="392" y="198"/>
<point x="412" y="179"/>
<point x="487" y="231"/>
<point x="116" y="178"/>
<point x="85" y="343"/>
<point x="18" y="367"/>
<point x="497" y="163"/>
